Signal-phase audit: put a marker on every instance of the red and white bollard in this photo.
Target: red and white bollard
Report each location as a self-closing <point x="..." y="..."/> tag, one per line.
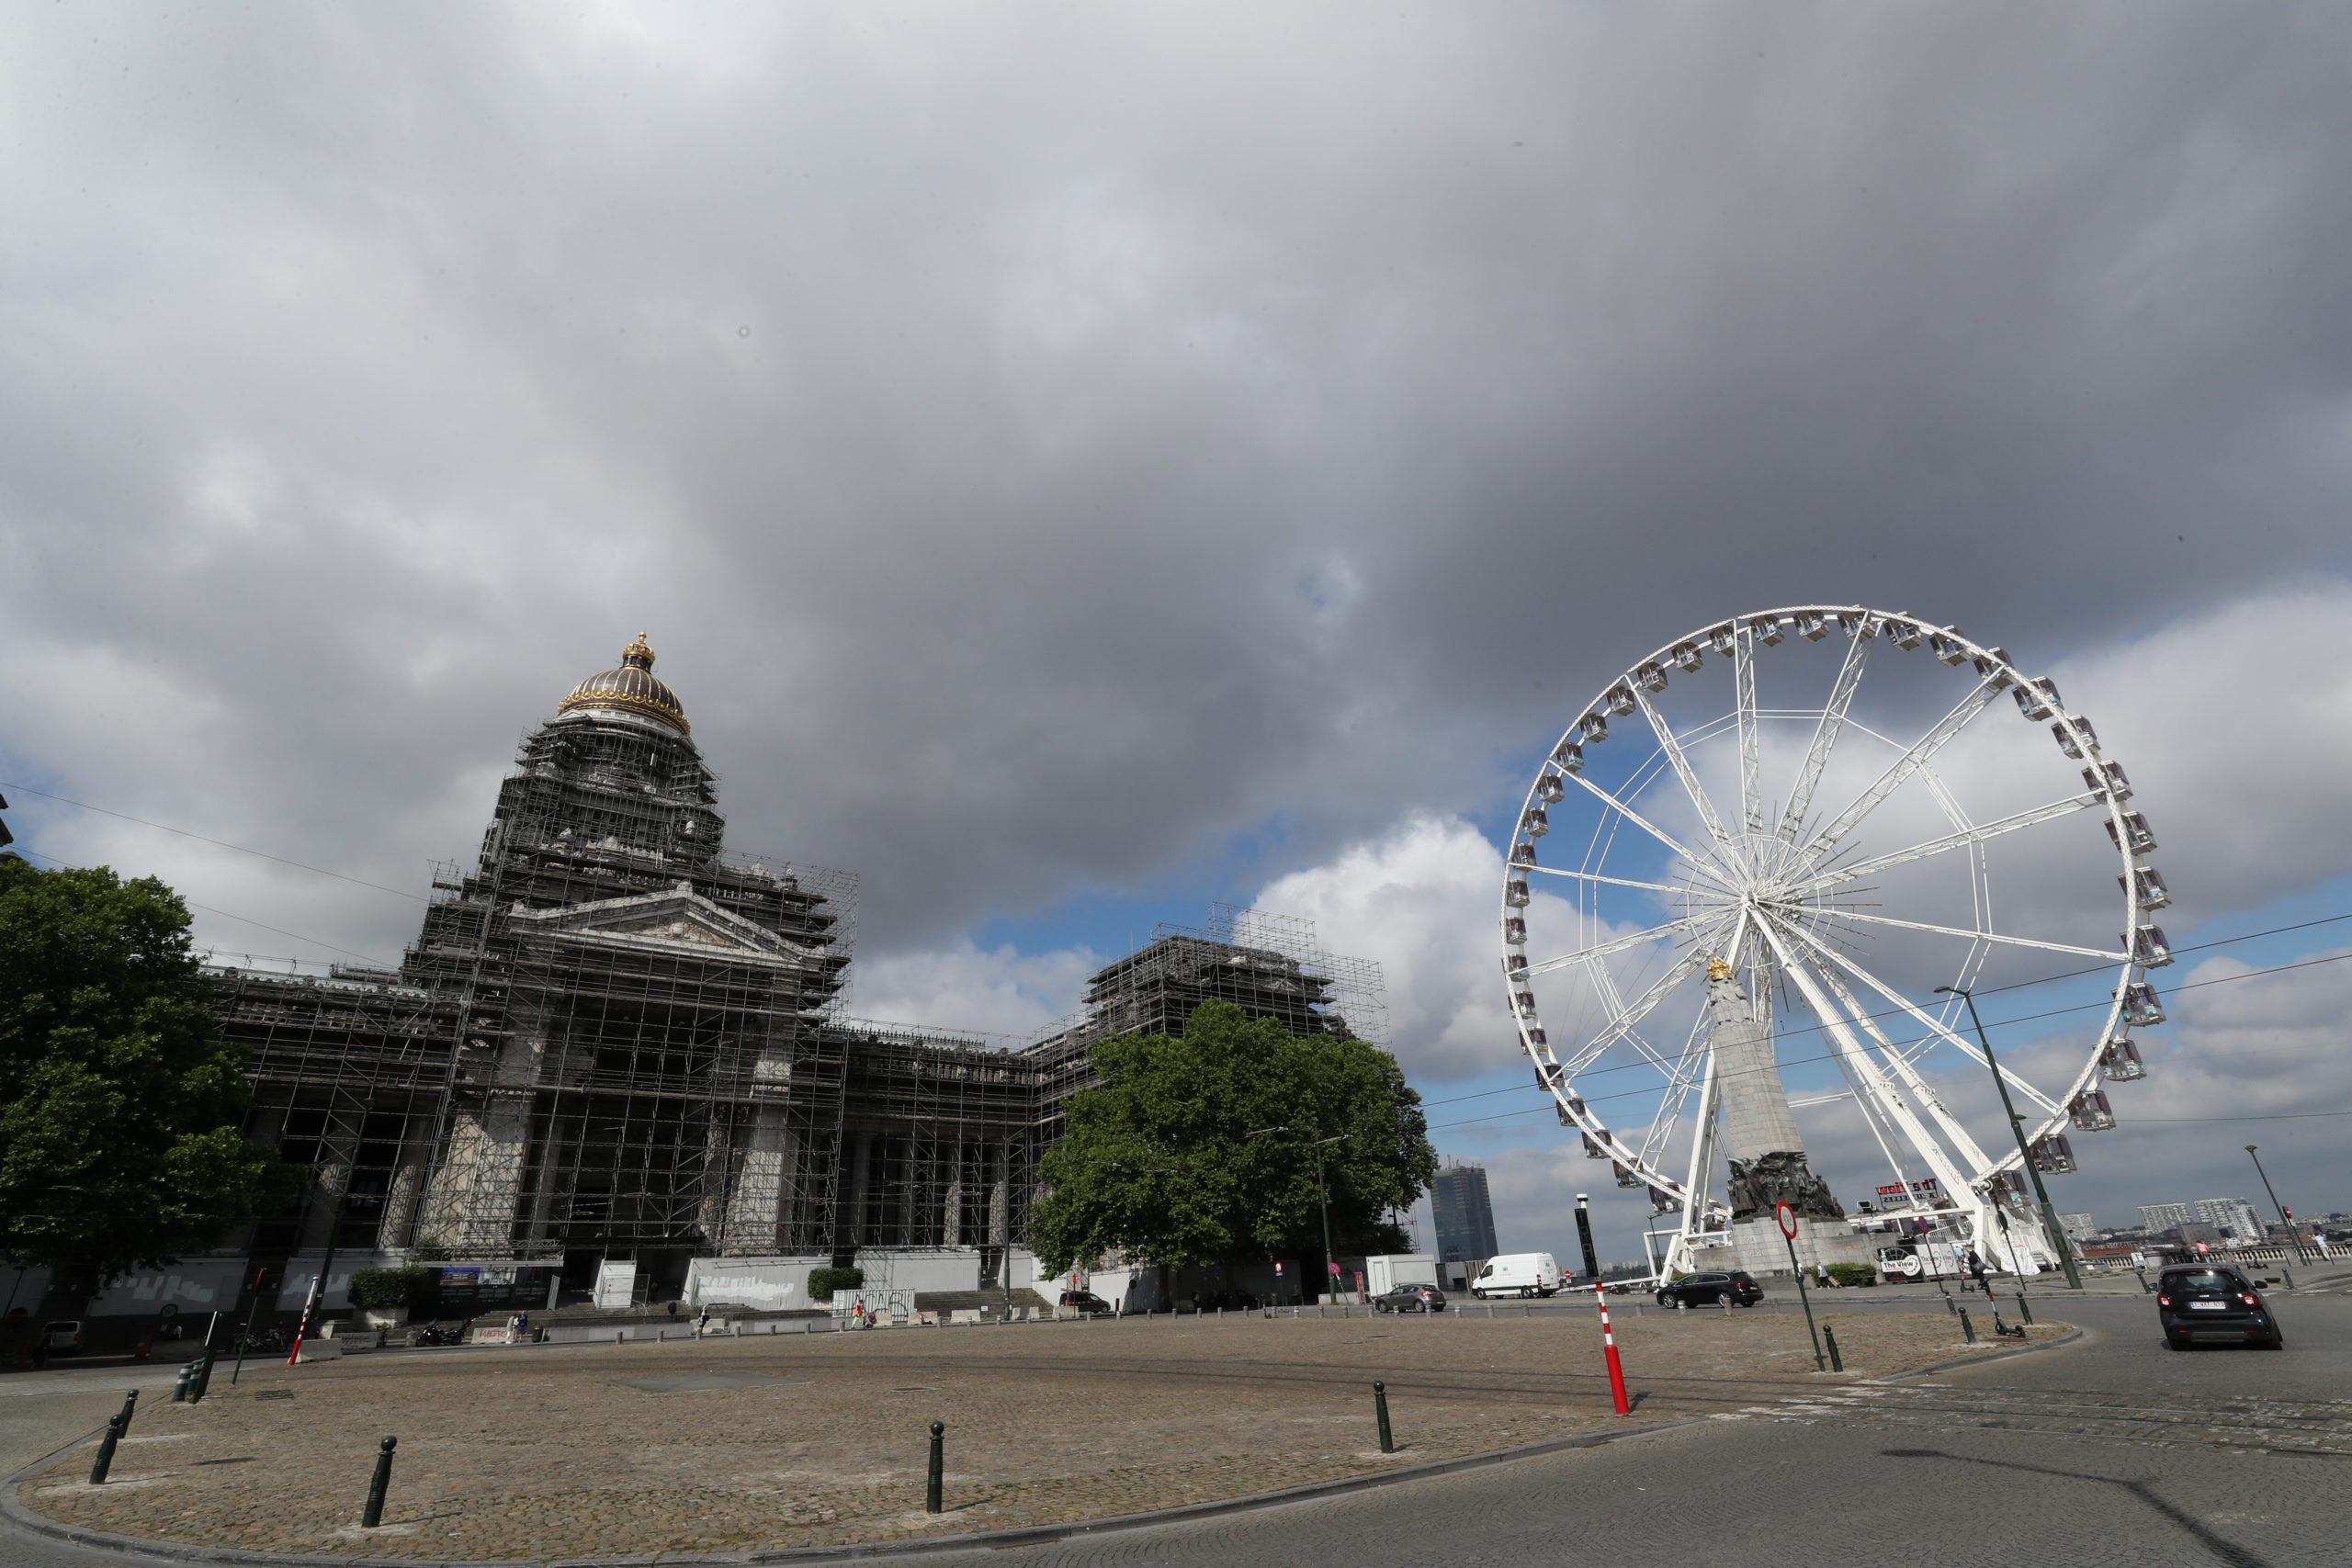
<point x="1609" y="1346"/>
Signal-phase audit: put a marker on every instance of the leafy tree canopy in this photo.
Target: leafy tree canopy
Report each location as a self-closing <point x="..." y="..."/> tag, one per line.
<point x="1201" y="1148"/>
<point x="118" y="1101"/>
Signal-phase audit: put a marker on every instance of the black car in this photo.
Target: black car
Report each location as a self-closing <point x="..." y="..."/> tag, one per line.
<point x="2215" y="1304"/>
<point x="1087" y="1303"/>
<point x="1410" y="1297"/>
<point x="1710" y="1290"/>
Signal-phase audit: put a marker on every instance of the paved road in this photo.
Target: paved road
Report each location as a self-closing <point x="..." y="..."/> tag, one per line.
<point x="2113" y="1450"/>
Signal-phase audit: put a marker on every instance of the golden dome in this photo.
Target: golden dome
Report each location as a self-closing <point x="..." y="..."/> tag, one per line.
<point x="632" y="689"/>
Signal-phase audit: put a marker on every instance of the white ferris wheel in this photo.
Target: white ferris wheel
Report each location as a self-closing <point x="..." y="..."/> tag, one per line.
<point x="1827" y="797"/>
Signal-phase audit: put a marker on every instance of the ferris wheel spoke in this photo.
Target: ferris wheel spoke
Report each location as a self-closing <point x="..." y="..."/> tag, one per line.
<point x="1919" y="754"/>
<point x="1628" y="882"/>
<point x="1840" y="1036"/>
<point x="2110" y="955"/>
<point x="1743" y="679"/>
<point x="1936" y="1029"/>
<point x="1683" y="771"/>
<point x="1824" y="735"/>
<point x="1703" y="867"/>
<point x="1681" y="1079"/>
<point x="1627" y="1017"/>
<point x="1618" y="944"/>
<point x="1961" y="839"/>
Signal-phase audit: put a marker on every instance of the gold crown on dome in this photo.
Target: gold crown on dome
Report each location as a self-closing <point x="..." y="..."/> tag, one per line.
<point x="639" y="653"/>
<point x="1718" y="970"/>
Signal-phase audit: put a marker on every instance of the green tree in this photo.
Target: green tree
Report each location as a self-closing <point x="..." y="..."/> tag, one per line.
<point x="119" y="1101"/>
<point x="1174" y="1161"/>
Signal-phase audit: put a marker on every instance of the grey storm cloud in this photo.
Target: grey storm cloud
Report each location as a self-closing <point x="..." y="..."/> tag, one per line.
<point x="1048" y="446"/>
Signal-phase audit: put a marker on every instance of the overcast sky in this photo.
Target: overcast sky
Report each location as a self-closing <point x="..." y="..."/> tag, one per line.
<point x="1076" y="463"/>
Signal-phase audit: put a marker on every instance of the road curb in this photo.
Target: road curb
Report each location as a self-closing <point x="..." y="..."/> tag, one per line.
<point x="20" y="1519"/>
<point x="1985" y="1359"/>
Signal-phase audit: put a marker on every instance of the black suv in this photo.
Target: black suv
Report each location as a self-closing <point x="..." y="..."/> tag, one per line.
<point x="1087" y="1303"/>
<point x="1410" y="1297"/>
<point x="2213" y="1302"/>
<point x="1707" y="1289"/>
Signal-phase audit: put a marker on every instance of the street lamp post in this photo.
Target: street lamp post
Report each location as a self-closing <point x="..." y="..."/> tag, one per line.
<point x="1323" y="1196"/>
<point x="2284" y="1217"/>
<point x="2017" y="1131"/>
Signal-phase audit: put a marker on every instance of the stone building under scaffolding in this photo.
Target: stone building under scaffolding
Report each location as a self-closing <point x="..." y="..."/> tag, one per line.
<point x="614" y="1039"/>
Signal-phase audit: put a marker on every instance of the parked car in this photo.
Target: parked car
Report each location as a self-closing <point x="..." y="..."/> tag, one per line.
<point x="1089" y="1304"/>
<point x="1710" y="1290"/>
<point x="64" y="1336"/>
<point x="1227" y="1301"/>
<point x="1517" y="1274"/>
<point x="1409" y="1297"/>
<point x="2215" y="1303"/>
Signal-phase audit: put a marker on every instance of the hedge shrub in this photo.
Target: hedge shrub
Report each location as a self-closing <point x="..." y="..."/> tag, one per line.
<point x="1853" y="1273"/>
<point x="383" y="1289"/>
<point x="823" y="1282"/>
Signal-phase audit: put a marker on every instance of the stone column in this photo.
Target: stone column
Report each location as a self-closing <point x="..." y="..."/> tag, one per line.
<point x="399" y="1203"/>
<point x="951" y="1230"/>
<point x="1000" y="1158"/>
<point x="755" y="1204"/>
<point x="1760" y="1140"/>
<point x="330" y="1179"/>
<point x="848" y="1219"/>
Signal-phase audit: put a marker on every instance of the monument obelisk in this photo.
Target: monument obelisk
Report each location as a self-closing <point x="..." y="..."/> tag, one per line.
<point x="1759" y="1136"/>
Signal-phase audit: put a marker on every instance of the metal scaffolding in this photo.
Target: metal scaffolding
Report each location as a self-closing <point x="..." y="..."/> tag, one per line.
<point x="614" y="1038"/>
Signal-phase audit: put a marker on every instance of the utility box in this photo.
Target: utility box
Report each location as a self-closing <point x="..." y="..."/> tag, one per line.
<point x="1386" y="1273"/>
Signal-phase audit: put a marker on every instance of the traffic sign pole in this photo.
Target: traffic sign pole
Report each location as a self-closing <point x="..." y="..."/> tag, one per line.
<point x="1788" y="1219"/>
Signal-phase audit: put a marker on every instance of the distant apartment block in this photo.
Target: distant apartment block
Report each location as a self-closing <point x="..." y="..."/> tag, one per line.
<point x="2165" y="1216"/>
<point x="1464" y="1212"/>
<point x="2235" y="1216"/>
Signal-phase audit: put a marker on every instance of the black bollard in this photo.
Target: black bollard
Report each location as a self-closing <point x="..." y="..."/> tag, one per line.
<point x="931" y="1500"/>
<point x="1380" y="1408"/>
<point x="105" y="1462"/>
<point x="380" y="1484"/>
<point x="130" y="1404"/>
<point x="1830" y="1337"/>
<point x="1967" y="1327"/>
<point x="2024" y="1312"/>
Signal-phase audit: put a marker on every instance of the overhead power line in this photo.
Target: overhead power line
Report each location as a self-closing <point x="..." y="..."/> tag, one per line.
<point x="220" y="843"/>
<point x="1987" y="991"/>
<point x="1832" y="1057"/>
<point x="240" y="919"/>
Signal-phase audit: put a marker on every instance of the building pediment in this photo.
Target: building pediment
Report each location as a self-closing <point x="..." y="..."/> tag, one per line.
<point x="676" y="923"/>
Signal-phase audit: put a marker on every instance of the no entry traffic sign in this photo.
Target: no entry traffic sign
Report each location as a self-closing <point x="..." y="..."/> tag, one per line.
<point x="1787" y="1218"/>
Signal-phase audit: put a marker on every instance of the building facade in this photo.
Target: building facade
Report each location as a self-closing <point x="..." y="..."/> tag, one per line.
<point x="2164" y="1216"/>
<point x="1463" y="1214"/>
<point x="616" y="1038"/>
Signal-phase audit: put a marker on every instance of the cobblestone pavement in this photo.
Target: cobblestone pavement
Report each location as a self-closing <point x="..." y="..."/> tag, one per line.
<point x="2112" y="1450"/>
<point x="727" y="1444"/>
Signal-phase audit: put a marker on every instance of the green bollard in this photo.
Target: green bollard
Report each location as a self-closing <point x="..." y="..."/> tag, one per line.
<point x="179" y="1389"/>
<point x="1967" y="1327"/>
<point x="931" y="1496"/>
<point x="1380" y="1409"/>
<point x="202" y="1378"/>
<point x="379" y="1484"/>
<point x="1830" y="1337"/>
<point x="130" y="1404"/>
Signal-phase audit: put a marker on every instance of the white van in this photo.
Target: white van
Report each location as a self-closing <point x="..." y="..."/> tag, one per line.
<point x="1517" y="1274"/>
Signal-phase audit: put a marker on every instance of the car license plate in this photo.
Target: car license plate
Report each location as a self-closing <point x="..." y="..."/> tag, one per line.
<point x="2208" y="1306"/>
